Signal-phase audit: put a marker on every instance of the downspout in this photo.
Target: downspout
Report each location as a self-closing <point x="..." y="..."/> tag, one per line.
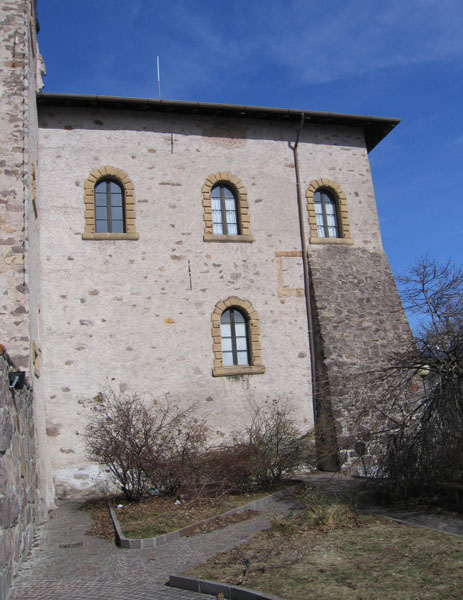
<point x="305" y="265"/>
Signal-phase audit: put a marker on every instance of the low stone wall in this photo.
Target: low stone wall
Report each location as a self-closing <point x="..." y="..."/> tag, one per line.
<point x="18" y="475"/>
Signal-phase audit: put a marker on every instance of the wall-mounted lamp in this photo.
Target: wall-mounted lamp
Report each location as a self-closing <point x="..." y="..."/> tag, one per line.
<point x="424" y="372"/>
<point x="16" y="379"/>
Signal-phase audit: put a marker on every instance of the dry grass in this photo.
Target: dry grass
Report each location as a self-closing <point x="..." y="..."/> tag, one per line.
<point x="155" y="516"/>
<point x="344" y="555"/>
<point x="102" y="525"/>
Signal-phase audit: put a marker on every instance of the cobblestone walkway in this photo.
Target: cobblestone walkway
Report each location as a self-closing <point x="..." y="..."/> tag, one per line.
<point x="66" y="564"/>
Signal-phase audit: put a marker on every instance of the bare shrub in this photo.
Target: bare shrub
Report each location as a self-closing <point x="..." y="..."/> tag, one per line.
<point x="175" y="462"/>
<point x="162" y="449"/>
<point x="423" y="397"/>
<point x="143" y="448"/>
<point x="272" y="445"/>
<point x="118" y="436"/>
<point x="229" y="468"/>
<point x="268" y="449"/>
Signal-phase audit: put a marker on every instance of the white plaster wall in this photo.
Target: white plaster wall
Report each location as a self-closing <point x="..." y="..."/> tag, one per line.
<point x="107" y="304"/>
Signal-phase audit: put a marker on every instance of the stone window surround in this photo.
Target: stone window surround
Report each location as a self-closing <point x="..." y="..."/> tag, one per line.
<point x="254" y="345"/>
<point x="121" y="177"/>
<point x="342" y="213"/>
<point x="226" y="178"/>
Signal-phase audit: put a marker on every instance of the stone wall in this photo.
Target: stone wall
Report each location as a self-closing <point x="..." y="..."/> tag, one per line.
<point x="19" y="500"/>
<point x="360" y="322"/>
<point x="14" y="177"/>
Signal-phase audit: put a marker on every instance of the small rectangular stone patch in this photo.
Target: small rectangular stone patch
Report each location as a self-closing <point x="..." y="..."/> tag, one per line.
<point x="72" y="545"/>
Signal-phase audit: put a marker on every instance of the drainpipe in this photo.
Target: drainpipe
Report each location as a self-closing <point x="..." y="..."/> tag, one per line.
<point x="305" y="264"/>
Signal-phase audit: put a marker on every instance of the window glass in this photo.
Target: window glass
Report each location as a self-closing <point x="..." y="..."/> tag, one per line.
<point x="240" y="329"/>
<point x="326" y="214"/>
<point x="242" y="358"/>
<point x="226" y="344"/>
<point x="100" y="199"/>
<point x="224" y="211"/>
<point x="225" y="329"/>
<point x="241" y="343"/>
<point x="109" y="207"/>
<point x="116" y="213"/>
<point x="234" y="335"/>
<point x="101" y="212"/>
<point x="227" y="359"/>
<point x="116" y="199"/>
<point x="117" y="227"/>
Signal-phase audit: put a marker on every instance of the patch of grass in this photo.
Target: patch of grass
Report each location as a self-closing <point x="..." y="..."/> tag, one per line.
<point x="335" y="553"/>
<point x="158" y="515"/>
<point x="320" y="510"/>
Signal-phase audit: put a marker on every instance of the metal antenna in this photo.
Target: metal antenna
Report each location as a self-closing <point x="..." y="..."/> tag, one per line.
<point x="159" y="78"/>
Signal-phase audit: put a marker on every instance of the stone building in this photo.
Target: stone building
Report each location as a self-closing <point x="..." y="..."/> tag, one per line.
<point x="161" y="247"/>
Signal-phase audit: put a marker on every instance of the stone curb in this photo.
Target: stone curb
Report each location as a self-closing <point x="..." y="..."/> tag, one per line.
<point x="161" y="540"/>
<point x="214" y="588"/>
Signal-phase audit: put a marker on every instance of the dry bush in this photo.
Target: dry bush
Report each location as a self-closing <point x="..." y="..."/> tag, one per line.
<point x="175" y="462"/>
<point x="424" y="387"/>
<point x="272" y="445"/>
<point x="229" y="468"/>
<point x="162" y="450"/>
<point x="118" y="436"/>
<point x="268" y="449"/>
<point x="143" y="448"/>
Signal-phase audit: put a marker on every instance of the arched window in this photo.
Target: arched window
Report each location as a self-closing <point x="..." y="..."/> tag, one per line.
<point x="224" y="211"/>
<point x="235" y="339"/>
<point x="234" y="335"/>
<point x="326" y="212"/>
<point x="109" y="207"/>
<point x="109" y="201"/>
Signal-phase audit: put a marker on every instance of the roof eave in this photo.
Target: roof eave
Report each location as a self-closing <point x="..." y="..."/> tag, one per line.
<point x="375" y="128"/>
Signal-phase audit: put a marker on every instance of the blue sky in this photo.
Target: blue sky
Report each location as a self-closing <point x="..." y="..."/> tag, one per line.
<point x="400" y="58"/>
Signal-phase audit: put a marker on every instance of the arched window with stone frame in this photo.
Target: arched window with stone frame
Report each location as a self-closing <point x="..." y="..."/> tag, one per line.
<point x="328" y="214"/>
<point x="225" y="209"/>
<point x="109" y="201"/>
<point x="236" y="338"/>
